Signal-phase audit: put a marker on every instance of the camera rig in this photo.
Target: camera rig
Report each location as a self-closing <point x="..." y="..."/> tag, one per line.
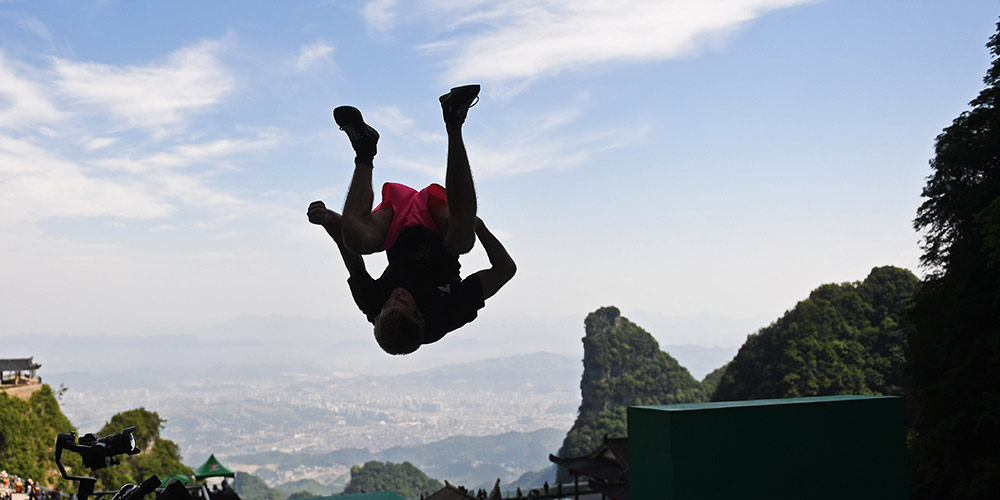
<point x="98" y="453"/>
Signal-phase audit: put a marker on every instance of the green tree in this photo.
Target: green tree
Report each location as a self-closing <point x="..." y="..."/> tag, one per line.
<point x="954" y="387"/>
<point x="405" y="479"/>
<point x="711" y="381"/>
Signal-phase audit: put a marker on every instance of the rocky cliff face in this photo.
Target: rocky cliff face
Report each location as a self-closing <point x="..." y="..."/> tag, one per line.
<point x="622" y="366"/>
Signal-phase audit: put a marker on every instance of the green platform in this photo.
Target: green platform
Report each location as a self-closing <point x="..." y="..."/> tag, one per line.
<point x="835" y="447"/>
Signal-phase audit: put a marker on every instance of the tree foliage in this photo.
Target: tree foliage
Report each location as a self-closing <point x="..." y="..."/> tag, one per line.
<point x="843" y="339"/>
<point x="405" y="479"/>
<point x="158" y="456"/>
<point x="954" y="399"/>
<point x="28" y="431"/>
<point x="711" y="381"/>
<point x="622" y="366"/>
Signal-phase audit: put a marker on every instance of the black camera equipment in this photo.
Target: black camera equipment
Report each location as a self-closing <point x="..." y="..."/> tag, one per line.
<point x="98" y="453"/>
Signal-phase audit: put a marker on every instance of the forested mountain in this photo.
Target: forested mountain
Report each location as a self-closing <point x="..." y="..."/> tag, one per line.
<point x="311" y="487"/>
<point x="251" y="487"/>
<point x="404" y="478"/>
<point x="28" y="431"/>
<point x="843" y="339"/>
<point x="622" y="366"/>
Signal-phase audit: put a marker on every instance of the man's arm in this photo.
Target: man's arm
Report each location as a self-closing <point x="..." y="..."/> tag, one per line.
<point x="502" y="267"/>
<point x="333" y="222"/>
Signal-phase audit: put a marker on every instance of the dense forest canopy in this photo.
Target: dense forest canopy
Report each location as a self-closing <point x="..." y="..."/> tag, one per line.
<point x="843" y="339"/>
<point x="954" y="345"/>
<point x="28" y="431"/>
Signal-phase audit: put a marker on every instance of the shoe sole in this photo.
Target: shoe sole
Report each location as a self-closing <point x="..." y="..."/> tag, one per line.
<point x="463" y="92"/>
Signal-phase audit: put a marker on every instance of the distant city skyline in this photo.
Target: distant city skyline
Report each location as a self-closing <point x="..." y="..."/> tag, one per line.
<point x="701" y="166"/>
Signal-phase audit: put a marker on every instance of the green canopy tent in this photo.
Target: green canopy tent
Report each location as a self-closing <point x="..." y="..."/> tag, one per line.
<point x="180" y="477"/>
<point x="212" y="468"/>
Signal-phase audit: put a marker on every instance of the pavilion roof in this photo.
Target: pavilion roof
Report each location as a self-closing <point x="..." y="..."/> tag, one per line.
<point x="607" y="464"/>
<point x="11" y="364"/>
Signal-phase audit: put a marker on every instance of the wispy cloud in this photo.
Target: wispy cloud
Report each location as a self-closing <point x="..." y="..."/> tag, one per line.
<point x="380" y="14"/>
<point x="530" y="152"/>
<point x="543" y="145"/>
<point x="99" y="143"/>
<point x="35" y="27"/>
<point x="523" y="40"/>
<point x="189" y="154"/>
<point x="38" y="185"/>
<point x="51" y="170"/>
<point x="190" y="80"/>
<point x="313" y="53"/>
<point x="22" y="101"/>
<point x="391" y="119"/>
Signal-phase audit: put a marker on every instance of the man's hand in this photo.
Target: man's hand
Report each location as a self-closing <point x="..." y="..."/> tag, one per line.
<point x="333" y="223"/>
<point x="320" y="215"/>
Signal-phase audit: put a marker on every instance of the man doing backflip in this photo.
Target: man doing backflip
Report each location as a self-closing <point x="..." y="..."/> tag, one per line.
<point x="419" y="297"/>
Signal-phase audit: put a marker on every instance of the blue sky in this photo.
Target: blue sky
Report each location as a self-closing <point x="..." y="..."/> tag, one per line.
<point x="677" y="159"/>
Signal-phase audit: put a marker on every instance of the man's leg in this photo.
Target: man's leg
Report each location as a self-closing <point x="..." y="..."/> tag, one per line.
<point x="364" y="232"/>
<point x="460" y="234"/>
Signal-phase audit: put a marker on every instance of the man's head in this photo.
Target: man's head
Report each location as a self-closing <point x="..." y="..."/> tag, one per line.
<point x="399" y="328"/>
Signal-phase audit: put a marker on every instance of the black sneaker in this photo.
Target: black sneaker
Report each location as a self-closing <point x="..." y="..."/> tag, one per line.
<point x="455" y="104"/>
<point x="363" y="137"/>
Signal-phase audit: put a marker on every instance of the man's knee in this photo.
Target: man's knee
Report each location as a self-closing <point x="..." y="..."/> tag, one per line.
<point x="360" y="238"/>
<point x="459" y="244"/>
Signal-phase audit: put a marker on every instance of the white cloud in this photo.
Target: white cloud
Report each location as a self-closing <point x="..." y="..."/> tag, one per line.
<point x="99" y="143"/>
<point x="380" y="14"/>
<point x="190" y="80"/>
<point x="312" y="54"/>
<point x="534" y="151"/>
<point x="188" y="155"/>
<point x="22" y="102"/>
<point x="53" y="171"/>
<point x="523" y="40"/>
<point x="542" y="146"/>
<point x="392" y="120"/>
<point x="37" y="184"/>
